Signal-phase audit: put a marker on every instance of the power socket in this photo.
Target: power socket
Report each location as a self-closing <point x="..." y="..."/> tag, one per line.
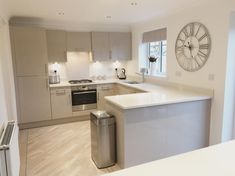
<point x="178" y="73"/>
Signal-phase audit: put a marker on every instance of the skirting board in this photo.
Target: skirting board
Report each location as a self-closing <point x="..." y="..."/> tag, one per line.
<point x="52" y="122"/>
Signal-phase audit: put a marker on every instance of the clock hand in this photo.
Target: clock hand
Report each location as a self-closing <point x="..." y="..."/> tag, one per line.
<point x="191" y="53"/>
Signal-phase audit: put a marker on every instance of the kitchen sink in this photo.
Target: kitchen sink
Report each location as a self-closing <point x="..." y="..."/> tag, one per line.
<point x="132" y="82"/>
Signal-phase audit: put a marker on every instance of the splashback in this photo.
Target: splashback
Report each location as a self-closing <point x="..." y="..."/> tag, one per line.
<point x="79" y="66"/>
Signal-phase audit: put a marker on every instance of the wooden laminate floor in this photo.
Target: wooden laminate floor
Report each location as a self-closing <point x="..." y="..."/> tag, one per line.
<point x="59" y="150"/>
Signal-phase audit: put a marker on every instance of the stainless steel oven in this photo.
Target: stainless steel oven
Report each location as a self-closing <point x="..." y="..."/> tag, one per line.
<point x="84" y="97"/>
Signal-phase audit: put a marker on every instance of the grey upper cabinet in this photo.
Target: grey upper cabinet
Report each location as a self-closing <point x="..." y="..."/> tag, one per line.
<point x="111" y="46"/>
<point x="79" y="41"/>
<point x="29" y="50"/>
<point x="100" y="46"/>
<point x="120" y="45"/>
<point x="56" y="45"/>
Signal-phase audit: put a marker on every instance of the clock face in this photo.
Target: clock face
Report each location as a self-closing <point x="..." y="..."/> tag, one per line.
<point x="193" y="46"/>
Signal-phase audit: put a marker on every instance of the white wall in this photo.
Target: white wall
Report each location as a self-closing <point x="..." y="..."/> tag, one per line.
<point x="216" y="17"/>
<point x="7" y="91"/>
<point x="3" y="106"/>
<point x="229" y="100"/>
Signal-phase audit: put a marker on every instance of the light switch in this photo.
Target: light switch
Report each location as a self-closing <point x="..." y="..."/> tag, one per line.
<point x="211" y="77"/>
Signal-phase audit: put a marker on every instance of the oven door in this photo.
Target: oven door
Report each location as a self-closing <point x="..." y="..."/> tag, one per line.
<point x="84" y="100"/>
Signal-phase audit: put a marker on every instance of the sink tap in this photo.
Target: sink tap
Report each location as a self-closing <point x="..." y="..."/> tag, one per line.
<point x="142" y="73"/>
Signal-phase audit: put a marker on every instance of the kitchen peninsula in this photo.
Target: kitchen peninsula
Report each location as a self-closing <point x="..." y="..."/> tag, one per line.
<point x="159" y="123"/>
<point x="153" y="121"/>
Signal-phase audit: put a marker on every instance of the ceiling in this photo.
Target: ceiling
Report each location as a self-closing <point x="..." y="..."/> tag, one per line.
<point x="119" y="12"/>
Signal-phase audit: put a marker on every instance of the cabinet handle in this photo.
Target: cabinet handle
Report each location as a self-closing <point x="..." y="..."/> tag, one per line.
<point x="60" y="93"/>
<point x="105" y="88"/>
<point x="46" y="69"/>
<point x="69" y="99"/>
<point x="93" y="55"/>
<point x="110" y="54"/>
<point x="79" y="49"/>
<point x="65" y="55"/>
<point x="47" y="84"/>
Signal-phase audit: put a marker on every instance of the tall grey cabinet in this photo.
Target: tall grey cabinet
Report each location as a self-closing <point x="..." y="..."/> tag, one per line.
<point x="31" y="73"/>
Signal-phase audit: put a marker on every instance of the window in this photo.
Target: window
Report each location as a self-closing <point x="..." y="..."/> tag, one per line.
<point x="154" y="47"/>
<point x="158" y="50"/>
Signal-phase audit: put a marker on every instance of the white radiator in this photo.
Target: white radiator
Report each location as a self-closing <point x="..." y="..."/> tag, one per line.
<point x="9" y="151"/>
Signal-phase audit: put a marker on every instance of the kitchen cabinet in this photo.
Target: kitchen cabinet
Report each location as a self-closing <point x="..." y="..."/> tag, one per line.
<point x="79" y="41"/>
<point x="122" y="90"/>
<point x="29" y="50"/>
<point x="120" y="45"/>
<point x="30" y="60"/>
<point x="102" y="91"/>
<point x="56" y="45"/>
<point x="111" y="46"/>
<point x="34" y="99"/>
<point x="61" y="103"/>
<point x="100" y="46"/>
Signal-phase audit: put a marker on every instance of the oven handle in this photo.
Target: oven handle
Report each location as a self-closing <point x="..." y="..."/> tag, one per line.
<point x="78" y="93"/>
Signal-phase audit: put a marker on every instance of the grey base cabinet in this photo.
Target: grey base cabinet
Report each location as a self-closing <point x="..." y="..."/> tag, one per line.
<point x="102" y="91"/>
<point x="61" y="103"/>
<point x="34" y="99"/>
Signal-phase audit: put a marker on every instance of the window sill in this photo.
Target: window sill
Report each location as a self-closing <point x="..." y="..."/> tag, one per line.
<point x="157" y="76"/>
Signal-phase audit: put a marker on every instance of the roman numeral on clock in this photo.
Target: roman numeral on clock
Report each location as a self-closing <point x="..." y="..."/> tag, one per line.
<point x="199" y="27"/>
<point x="185" y="32"/>
<point x="204" y="46"/>
<point x="202" y="37"/>
<point x="200" y="53"/>
<point x="192" y="29"/>
<point x="180" y="48"/>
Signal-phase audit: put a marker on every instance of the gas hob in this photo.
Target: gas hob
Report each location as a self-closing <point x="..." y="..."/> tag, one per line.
<point x="80" y="81"/>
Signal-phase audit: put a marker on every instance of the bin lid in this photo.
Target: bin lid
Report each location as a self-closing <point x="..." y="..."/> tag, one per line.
<point x="101" y="114"/>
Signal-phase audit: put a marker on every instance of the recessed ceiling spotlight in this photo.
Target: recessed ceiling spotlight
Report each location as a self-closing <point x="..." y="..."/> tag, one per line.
<point x="108" y="17"/>
<point x="134" y="3"/>
<point x="61" y="13"/>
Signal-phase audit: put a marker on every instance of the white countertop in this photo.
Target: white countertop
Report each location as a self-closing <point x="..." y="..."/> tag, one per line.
<point x="216" y="160"/>
<point x="155" y="94"/>
<point x="139" y="100"/>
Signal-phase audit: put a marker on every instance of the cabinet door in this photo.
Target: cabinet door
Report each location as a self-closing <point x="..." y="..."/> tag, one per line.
<point x="121" y="90"/>
<point x="102" y="91"/>
<point x="100" y="46"/>
<point x="120" y="44"/>
<point x="30" y="52"/>
<point x="56" y="45"/>
<point x="79" y="41"/>
<point x="34" y="99"/>
<point x="61" y="103"/>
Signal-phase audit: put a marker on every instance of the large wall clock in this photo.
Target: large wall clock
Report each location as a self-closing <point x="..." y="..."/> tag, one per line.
<point x="193" y="46"/>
